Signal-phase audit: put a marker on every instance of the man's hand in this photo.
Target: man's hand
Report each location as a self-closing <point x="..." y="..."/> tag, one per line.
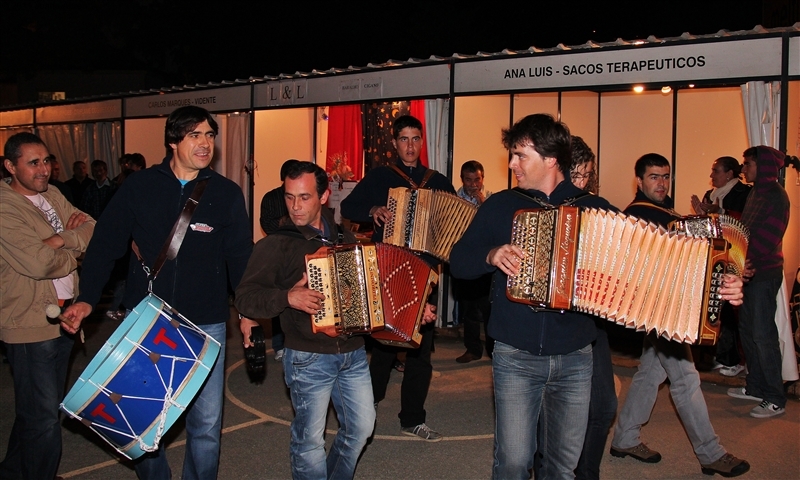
<point x="245" y="325"/>
<point x="732" y="289"/>
<point x="430" y="314"/>
<point x="380" y="215"/>
<point x="305" y="299"/>
<point x="507" y="258"/>
<point x="76" y="220"/>
<point x="749" y="271"/>
<point x="74" y="314"/>
<point x="55" y="242"/>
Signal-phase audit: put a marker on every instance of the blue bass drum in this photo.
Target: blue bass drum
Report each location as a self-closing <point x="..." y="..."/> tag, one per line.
<point x="143" y="378"/>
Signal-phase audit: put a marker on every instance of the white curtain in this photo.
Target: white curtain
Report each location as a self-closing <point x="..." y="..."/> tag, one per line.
<point x="762" y="102"/>
<point x="437" y="114"/>
<point x="84" y="142"/>
<point x="234" y="153"/>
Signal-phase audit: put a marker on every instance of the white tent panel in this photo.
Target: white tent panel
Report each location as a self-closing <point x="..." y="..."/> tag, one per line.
<point x="146" y="136"/>
<point x="477" y="125"/>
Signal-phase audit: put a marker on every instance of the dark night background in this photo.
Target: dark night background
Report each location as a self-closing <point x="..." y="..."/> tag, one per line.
<point x="94" y="47"/>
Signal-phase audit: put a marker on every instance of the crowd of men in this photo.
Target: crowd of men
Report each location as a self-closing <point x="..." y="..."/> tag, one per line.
<point x="546" y="364"/>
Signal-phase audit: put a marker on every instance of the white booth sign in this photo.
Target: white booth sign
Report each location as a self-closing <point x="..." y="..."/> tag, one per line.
<point x="387" y="83"/>
<point x="213" y="100"/>
<point x="794" y="56"/>
<point x="579" y="68"/>
<point x="80" y="112"/>
<point x="16" y="117"/>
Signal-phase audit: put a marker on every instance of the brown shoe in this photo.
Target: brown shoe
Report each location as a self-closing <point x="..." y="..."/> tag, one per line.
<point x="639" y="452"/>
<point x="466" y="358"/>
<point x="727" y="466"/>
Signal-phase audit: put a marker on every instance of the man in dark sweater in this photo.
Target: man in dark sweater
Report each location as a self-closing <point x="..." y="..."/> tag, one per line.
<point x="367" y="203"/>
<point x="319" y="369"/>
<point x="542" y="360"/>
<point x="766" y="214"/>
<point x="662" y="358"/>
<point x="213" y="255"/>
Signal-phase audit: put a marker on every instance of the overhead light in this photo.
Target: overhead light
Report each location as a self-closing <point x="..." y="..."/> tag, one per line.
<point x="691" y="85"/>
<point x="638" y="89"/>
<point x="666" y="89"/>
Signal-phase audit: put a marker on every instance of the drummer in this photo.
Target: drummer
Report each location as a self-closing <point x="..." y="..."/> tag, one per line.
<point x="217" y="240"/>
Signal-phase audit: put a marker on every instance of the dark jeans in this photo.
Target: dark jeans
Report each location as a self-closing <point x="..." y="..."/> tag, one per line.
<point x="728" y="342"/>
<point x="416" y="377"/>
<point x="40" y="373"/>
<point x="759" y="336"/>
<point x="475" y="312"/>
<point x="602" y="409"/>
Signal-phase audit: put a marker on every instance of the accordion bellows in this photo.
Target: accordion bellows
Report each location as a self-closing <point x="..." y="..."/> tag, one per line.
<point x="371" y="288"/>
<point x="429" y="221"/>
<point x="626" y="270"/>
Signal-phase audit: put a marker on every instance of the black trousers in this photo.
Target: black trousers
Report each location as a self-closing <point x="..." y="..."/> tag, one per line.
<point x="416" y="377"/>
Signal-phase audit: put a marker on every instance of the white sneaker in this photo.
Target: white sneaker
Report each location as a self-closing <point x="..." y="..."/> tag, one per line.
<point x="731" y="371"/>
<point x="279" y="355"/>
<point x="767" y="409"/>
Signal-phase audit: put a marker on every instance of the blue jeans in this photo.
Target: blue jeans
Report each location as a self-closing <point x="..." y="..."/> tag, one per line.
<point x="759" y="336"/>
<point x="526" y="385"/>
<point x="203" y="425"/>
<point x="314" y="380"/>
<point x="40" y="373"/>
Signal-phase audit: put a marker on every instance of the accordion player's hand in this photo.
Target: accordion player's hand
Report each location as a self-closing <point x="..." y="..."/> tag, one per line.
<point x="507" y="258"/>
<point x="305" y="299"/>
<point x="380" y="215"/>
<point x="732" y="289"/>
<point x="429" y="315"/>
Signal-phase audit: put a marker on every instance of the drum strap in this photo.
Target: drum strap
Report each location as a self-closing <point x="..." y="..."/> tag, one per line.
<point x="173" y="243"/>
<point x="428" y="174"/>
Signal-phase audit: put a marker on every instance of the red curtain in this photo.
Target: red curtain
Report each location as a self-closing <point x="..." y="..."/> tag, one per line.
<point x="418" y="111"/>
<point x="345" y="145"/>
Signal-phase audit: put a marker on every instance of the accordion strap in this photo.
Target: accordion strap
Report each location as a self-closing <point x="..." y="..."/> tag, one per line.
<point x="653" y="206"/>
<point x="175" y="238"/>
<point x="428" y="174"/>
<point x="567" y="201"/>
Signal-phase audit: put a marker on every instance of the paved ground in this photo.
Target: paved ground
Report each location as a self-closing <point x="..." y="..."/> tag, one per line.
<point x="256" y="427"/>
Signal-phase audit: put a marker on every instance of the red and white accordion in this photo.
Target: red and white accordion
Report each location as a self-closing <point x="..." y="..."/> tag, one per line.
<point x="628" y="271"/>
<point x="378" y="289"/>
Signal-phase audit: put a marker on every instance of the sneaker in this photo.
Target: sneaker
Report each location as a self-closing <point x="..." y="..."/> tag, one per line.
<point x="422" y="431"/>
<point x="741" y="392"/>
<point x="717" y="365"/>
<point x="640" y="452"/>
<point x="767" y="409"/>
<point x="279" y="355"/>
<point x="116" y="315"/>
<point x="727" y="466"/>
<point x="731" y="371"/>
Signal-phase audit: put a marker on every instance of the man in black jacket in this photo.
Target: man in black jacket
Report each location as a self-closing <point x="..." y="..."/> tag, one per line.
<point x="367" y="203"/>
<point x="214" y="252"/>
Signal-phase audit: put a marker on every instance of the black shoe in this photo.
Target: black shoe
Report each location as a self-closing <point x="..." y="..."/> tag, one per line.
<point x="466" y="358"/>
<point x="639" y="452"/>
<point x="727" y="466"/>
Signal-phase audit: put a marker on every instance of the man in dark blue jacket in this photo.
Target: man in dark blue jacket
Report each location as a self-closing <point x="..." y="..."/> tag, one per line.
<point x="214" y="252"/>
<point x="542" y="360"/>
<point x="367" y="202"/>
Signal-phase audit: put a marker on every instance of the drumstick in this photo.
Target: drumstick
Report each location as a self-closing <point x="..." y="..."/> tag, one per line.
<point x="53" y="311"/>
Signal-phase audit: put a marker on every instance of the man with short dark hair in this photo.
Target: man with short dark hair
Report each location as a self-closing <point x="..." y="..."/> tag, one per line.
<point x="766" y="215"/>
<point x="41" y="237"/>
<point x="662" y="358"/>
<point x="319" y="369"/>
<point x="78" y="183"/>
<point x="99" y="192"/>
<point x="473" y="295"/>
<point x="542" y="360"/>
<point x="213" y="253"/>
<point x="367" y="203"/>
